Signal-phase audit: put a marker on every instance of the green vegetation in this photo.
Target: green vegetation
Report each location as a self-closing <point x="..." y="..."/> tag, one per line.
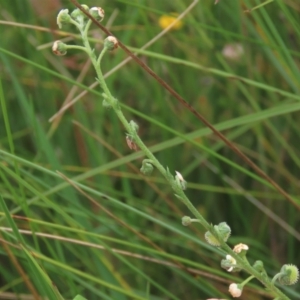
<point x="92" y="223"/>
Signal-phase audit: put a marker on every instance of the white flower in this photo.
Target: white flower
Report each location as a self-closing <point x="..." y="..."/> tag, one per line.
<point x="179" y="179"/>
<point x="233" y="51"/>
<point x="239" y="247"/>
<point x="231" y="260"/>
<point x="235" y="290"/>
<point x="179" y="176"/>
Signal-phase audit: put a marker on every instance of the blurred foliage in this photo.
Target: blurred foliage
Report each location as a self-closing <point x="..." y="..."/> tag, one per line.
<point x="238" y="68"/>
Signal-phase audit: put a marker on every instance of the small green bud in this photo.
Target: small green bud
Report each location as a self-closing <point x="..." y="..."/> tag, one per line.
<point x="147" y="168"/>
<point x="186" y="221"/>
<point x="288" y="275"/>
<point x="59" y="48"/>
<point x="85" y="7"/>
<point x="106" y="104"/>
<point x="63" y="17"/>
<point x="111" y="43"/>
<point x="259" y="266"/>
<point x="224" y="232"/>
<point x="97" y="13"/>
<point x="78" y="14"/>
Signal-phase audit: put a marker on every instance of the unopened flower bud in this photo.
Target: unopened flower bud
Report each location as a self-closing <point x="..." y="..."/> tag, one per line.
<point x="288" y="275"/>
<point x="130" y="143"/>
<point x="240" y="247"/>
<point x="235" y="290"/>
<point x="111" y="43"/>
<point x="97" y="13"/>
<point x="180" y="181"/>
<point x="59" y="48"/>
<point x="229" y="264"/>
<point x="186" y="221"/>
<point x="85" y="7"/>
<point x="147" y="168"/>
<point x="78" y="14"/>
<point x="259" y="266"/>
<point x="224" y="232"/>
<point x="63" y="17"/>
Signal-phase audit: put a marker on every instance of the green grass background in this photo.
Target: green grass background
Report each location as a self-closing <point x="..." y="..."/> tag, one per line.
<point x="254" y="101"/>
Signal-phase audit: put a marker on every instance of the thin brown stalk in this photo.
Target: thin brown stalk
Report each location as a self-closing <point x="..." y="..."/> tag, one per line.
<point x="256" y="168"/>
<point x="20" y="270"/>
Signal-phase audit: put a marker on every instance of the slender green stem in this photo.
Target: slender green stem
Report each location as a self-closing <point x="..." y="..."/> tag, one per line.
<point x="87" y="27"/>
<point x="68" y="47"/>
<point x="247" y="280"/>
<point x="241" y="262"/>
<point x="75" y="24"/>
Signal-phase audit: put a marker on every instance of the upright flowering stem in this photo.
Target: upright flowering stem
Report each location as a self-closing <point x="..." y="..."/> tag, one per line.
<point x="177" y="189"/>
<point x="179" y="192"/>
<point x="111" y="100"/>
<point x="220" y="232"/>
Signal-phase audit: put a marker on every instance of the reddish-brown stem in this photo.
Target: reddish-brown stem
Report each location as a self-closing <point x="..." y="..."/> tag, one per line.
<point x="258" y="170"/>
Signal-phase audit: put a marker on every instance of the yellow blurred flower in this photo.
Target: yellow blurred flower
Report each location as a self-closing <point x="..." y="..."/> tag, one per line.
<point x="165" y="20"/>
